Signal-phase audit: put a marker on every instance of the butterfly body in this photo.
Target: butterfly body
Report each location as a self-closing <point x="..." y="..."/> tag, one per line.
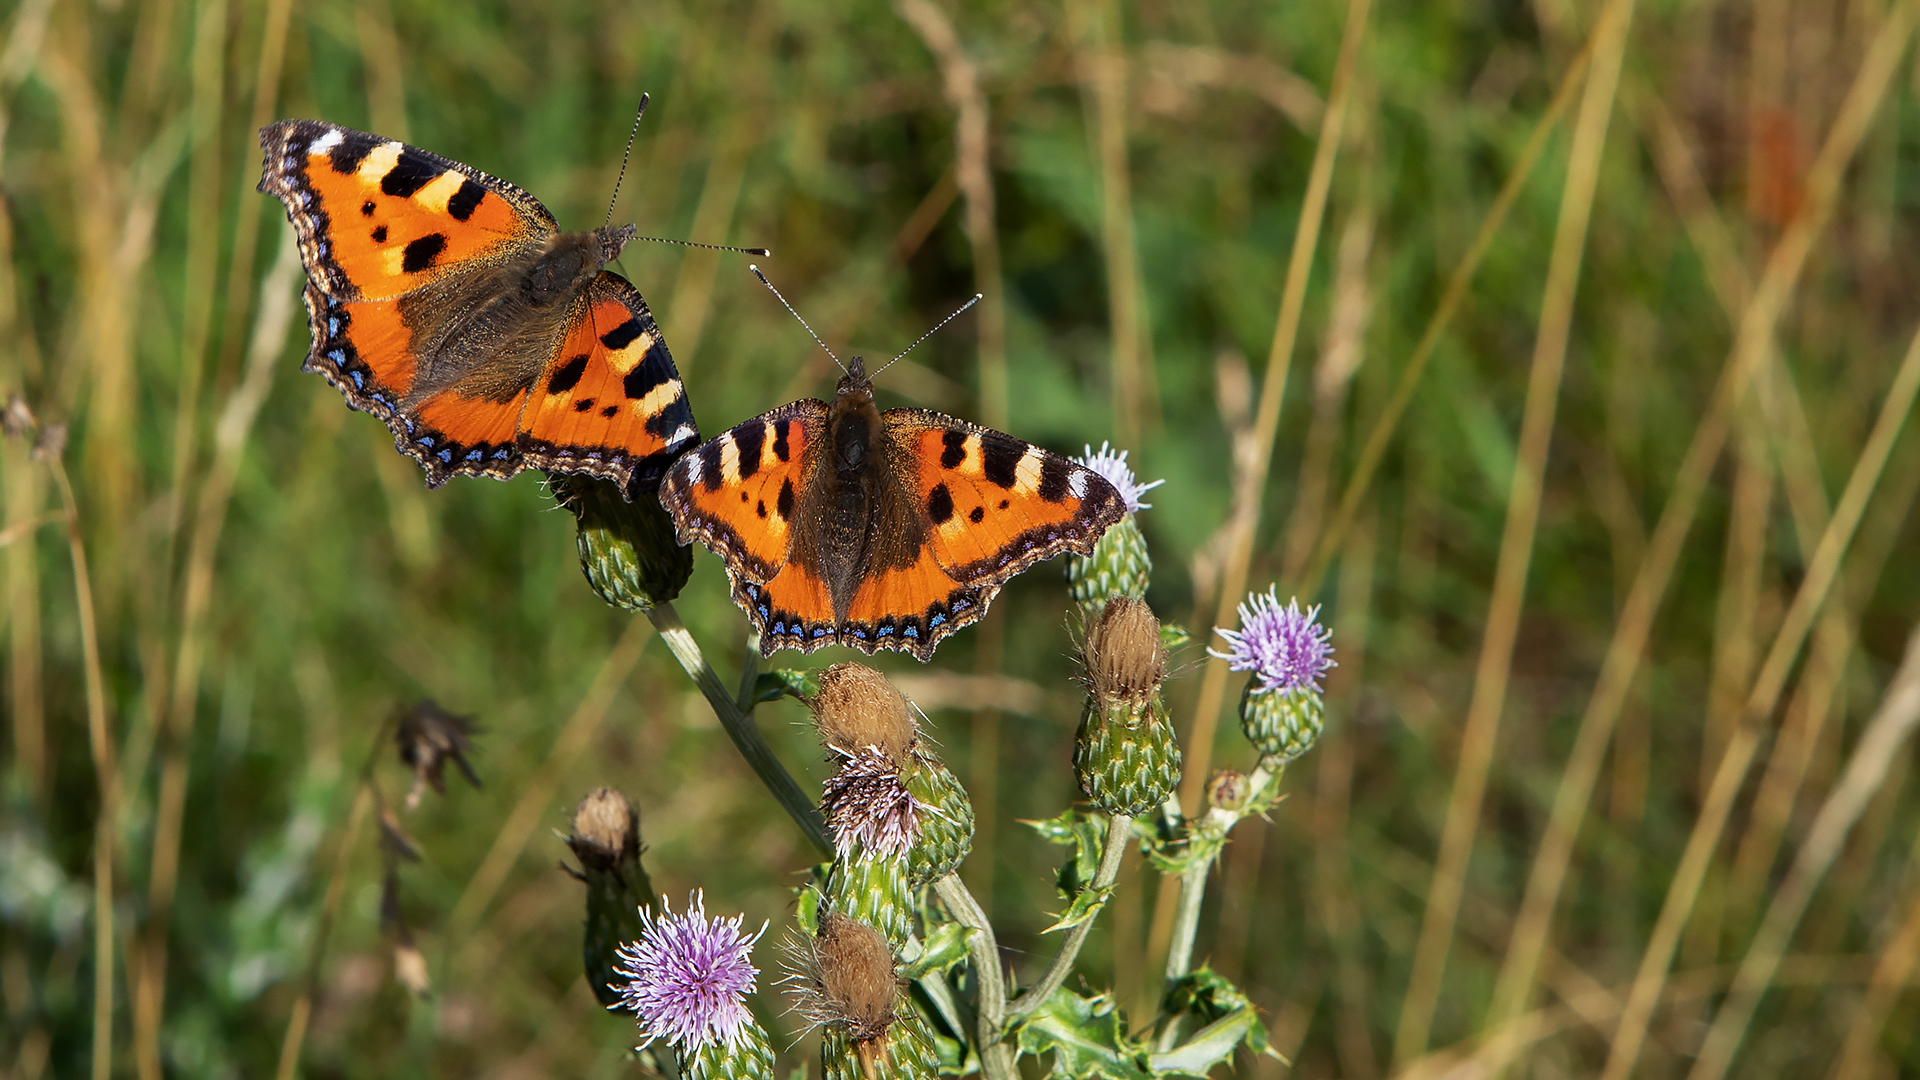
<point x="880" y="530"/>
<point x="450" y="304"/>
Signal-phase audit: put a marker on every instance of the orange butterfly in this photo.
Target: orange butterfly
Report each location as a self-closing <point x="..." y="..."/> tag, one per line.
<point x="449" y="304"/>
<point x="843" y="524"/>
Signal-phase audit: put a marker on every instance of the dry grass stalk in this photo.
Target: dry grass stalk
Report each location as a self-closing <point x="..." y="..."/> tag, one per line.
<point x="1198" y="753"/>
<point x="1627" y="646"/>
<point x="1340" y="356"/>
<point x="1865" y="774"/>
<point x="1383" y="428"/>
<point x="1273" y="383"/>
<point x="960" y="83"/>
<point x="1102" y="67"/>
<point x="196" y="599"/>
<point x="1892" y="973"/>
<point x="537" y="794"/>
<point x="1782" y="273"/>
<point x="1516" y="541"/>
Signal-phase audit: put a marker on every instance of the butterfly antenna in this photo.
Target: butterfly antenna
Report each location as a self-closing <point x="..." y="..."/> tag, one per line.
<point x="624" y="156"/>
<point x="928" y="334"/>
<point x="795" y="314"/>
<point x="763" y="252"/>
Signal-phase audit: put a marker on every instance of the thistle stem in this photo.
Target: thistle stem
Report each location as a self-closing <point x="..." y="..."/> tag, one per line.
<point x="996" y="1058"/>
<point x="1218" y="820"/>
<point x="1119" y="828"/>
<point x="739" y="726"/>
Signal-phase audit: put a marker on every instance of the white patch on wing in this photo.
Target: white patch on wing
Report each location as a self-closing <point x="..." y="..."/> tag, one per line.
<point x="692" y="460"/>
<point x="1077" y="483"/>
<point x="680" y="435"/>
<point x="326" y="143"/>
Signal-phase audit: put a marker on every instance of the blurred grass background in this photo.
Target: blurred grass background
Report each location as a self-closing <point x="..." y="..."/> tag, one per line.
<point x="1127" y="182"/>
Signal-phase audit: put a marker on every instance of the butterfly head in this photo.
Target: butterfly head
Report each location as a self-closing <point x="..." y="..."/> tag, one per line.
<point x="613" y="240"/>
<point x="855" y="385"/>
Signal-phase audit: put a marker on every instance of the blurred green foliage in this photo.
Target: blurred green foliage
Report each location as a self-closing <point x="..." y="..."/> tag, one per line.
<point x="339" y="588"/>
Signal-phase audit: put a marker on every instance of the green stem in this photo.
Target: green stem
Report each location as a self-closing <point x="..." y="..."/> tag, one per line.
<point x="740" y="726"/>
<point x="1218" y="820"/>
<point x="996" y="1057"/>
<point x="1119" y="829"/>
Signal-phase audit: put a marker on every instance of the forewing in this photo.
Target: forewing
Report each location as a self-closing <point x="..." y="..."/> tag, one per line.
<point x="738" y="492"/>
<point x="377" y="219"/>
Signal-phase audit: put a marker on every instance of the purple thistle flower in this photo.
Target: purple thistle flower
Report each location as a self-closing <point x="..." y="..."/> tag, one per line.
<point x="1285" y="646"/>
<point x="687" y="976"/>
<point x="1112" y="466"/>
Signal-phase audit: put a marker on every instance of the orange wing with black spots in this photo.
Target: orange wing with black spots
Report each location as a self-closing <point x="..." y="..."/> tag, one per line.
<point x="448" y="303"/>
<point x="612" y="397"/>
<point x="995" y="505"/>
<point x="377" y="219"/>
<point x="740" y="494"/>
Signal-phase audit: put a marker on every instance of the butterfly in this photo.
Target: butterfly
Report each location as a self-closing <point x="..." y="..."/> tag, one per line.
<point x="449" y="304"/>
<point x="880" y="530"/>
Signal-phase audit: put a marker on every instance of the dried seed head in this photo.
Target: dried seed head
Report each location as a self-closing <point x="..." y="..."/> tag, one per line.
<point x="857" y="707"/>
<point x="429" y="737"/>
<point x="606" y="830"/>
<point x="1124" y="657"/>
<point x="845" y="976"/>
<point x="16" y="419"/>
<point x="868" y="806"/>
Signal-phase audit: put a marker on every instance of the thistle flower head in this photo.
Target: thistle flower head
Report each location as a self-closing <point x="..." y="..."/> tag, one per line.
<point x="688" y="976"/>
<point x="1112" y="466"/>
<point x="1286" y="647"/>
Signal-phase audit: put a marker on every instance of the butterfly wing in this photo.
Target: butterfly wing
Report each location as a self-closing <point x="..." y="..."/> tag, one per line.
<point x="739" y="494"/>
<point x="610" y="403"/>
<point x="377" y="219"/>
<point x="984" y="506"/>
<point x="398" y="243"/>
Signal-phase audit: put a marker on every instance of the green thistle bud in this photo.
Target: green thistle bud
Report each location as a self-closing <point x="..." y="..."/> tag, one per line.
<point x="1125" y="754"/>
<point x="1282" y="723"/>
<point x="628" y="550"/>
<point x="1282" y="711"/>
<point x="748" y="1057"/>
<point x="606" y="840"/>
<point x="946" y="828"/>
<point x="874" y="889"/>
<point x="1119" y="564"/>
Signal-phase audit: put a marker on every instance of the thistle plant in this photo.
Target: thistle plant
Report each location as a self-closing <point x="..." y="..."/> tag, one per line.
<point x="606" y="840"/>
<point x="893" y="960"/>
